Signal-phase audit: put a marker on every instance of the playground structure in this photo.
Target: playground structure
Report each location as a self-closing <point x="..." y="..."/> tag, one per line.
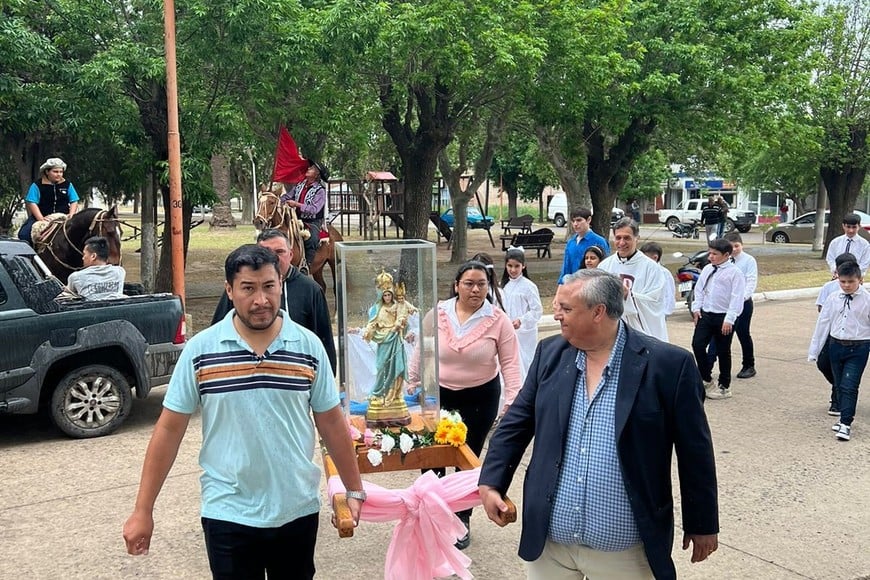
<point x="374" y="207"/>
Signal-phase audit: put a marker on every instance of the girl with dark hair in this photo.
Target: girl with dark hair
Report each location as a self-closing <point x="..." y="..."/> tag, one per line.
<point x="494" y="294"/>
<point x="522" y="305"/>
<point x="592" y="257"/>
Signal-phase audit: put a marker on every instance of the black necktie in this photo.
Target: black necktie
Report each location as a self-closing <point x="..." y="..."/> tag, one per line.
<point x="848" y="245"/>
<point x="710" y="277"/>
<point x="847" y="301"/>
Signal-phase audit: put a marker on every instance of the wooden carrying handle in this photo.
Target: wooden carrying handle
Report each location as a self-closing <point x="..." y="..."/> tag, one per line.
<point x="341" y="517"/>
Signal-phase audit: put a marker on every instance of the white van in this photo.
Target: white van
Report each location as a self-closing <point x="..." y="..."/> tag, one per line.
<point x="557" y="212"/>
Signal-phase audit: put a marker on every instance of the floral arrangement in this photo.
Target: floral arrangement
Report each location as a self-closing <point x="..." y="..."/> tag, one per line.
<point x="450" y="431"/>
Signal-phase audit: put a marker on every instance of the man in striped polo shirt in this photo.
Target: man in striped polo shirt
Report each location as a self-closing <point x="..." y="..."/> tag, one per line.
<point x="257" y="375"/>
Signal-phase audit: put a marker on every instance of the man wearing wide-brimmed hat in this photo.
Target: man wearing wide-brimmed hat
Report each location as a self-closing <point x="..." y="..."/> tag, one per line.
<point x="309" y="199"/>
<point x="51" y="193"/>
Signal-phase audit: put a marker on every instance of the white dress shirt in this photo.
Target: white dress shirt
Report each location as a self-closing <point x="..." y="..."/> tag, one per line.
<point x="747" y="264"/>
<point x="720" y="289"/>
<point x="859" y="247"/>
<point x="842" y="318"/>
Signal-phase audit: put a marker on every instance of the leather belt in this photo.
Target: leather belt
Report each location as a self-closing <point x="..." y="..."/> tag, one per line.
<point x="842" y="342"/>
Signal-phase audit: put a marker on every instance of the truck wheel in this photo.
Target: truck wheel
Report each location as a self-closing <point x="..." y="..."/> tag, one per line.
<point x="91" y="401"/>
<point x="744" y="229"/>
<point x="729" y="225"/>
<point x="671" y="223"/>
<point x="559" y="220"/>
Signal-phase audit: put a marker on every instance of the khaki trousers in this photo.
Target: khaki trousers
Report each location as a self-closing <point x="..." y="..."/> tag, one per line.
<point x="564" y="562"/>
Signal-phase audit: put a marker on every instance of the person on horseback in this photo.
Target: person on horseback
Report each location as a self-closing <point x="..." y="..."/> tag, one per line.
<point x="52" y="193"/>
<point x="309" y="199"/>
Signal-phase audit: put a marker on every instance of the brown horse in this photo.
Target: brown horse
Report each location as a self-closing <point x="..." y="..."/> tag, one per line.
<point x="61" y="245"/>
<point x="271" y="213"/>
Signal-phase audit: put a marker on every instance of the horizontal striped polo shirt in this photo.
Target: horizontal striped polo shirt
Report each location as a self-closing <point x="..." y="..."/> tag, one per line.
<point x="257" y="432"/>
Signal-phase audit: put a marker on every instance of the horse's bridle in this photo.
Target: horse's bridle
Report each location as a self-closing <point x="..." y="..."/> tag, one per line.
<point x="277" y="211"/>
<point x="95" y="229"/>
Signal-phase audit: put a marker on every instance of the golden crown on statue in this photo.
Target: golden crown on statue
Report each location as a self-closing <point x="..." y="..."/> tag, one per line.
<point x="384" y="282"/>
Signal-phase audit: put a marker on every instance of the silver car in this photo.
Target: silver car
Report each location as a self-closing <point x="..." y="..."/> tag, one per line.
<point x="800" y="229"/>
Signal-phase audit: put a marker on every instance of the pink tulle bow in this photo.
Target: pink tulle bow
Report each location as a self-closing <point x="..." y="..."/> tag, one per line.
<point x="422" y="544"/>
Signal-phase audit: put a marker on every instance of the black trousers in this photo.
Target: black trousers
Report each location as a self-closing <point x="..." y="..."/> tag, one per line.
<point x="741" y="329"/>
<point x="237" y="552"/>
<point x="709" y="328"/>
<point x="478" y="407"/>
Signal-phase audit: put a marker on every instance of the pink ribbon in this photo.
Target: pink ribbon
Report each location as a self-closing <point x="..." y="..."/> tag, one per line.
<point x="422" y="544"/>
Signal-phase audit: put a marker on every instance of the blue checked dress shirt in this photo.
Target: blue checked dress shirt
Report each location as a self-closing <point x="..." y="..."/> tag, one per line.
<point x="591" y="505"/>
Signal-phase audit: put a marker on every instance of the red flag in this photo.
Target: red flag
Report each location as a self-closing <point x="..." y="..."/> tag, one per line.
<point x="290" y="167"/>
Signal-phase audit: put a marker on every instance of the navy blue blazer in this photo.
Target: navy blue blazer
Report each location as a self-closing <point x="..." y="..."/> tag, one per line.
<point x="659" y="408"/>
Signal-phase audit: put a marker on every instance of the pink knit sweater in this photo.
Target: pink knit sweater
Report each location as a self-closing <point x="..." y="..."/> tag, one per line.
<point x="473" y="359"/>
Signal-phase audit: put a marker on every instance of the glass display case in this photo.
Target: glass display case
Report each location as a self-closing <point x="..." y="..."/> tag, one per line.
<point x="388" y="368"/>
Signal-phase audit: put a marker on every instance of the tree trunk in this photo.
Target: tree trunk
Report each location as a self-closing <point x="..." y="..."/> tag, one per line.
<point x="419" y="175"/>
<point x="417" y="148"/>
<point x="844" y="179"/>
<point x="222" y="214"/>
<point x="571" y="175"/>
<point x="608" y="164"/>
<point x="818" y="228"/>
<point x="147" y="257"/>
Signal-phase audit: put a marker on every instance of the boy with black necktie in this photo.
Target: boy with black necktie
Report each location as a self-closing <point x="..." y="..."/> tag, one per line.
<point x="717" y="303"/>
<point x="845" y="323"/>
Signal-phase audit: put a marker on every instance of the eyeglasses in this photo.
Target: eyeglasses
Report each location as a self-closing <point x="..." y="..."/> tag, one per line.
<point x="468" y="285"/>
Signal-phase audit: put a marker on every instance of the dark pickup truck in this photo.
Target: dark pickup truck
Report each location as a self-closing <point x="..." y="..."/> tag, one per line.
<point x="79" y="360"/>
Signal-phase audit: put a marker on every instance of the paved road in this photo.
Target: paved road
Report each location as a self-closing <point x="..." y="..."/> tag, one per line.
<point x="794" y="502"/>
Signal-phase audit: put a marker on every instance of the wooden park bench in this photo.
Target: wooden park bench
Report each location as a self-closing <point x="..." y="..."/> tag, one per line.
<point x="522" y="224"/>
<point x="538" y="240"/>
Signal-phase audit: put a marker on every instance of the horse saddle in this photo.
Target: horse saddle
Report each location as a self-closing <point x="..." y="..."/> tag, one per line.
<point x="43" y="232"/>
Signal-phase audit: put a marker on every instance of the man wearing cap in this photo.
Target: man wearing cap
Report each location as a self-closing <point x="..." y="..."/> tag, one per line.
<point x="52" y="193"/>
<point x="309" y="199"/>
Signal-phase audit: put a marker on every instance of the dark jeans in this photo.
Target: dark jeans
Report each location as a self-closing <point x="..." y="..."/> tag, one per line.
<point x="709" y="328"/>
<point x="823" y="363"/>
<point x="741" y="329"/>
<point x="848" y="362"/>
<point x="478" y="407"/>
<point x="313" y="241"/>
<point x="237" y="552"/>
<point x="24" y="230"/>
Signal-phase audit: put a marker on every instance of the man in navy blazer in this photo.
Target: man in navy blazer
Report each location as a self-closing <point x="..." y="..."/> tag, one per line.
<point x="628" y="422"/>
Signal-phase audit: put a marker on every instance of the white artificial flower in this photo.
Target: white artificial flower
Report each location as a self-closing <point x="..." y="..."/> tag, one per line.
<point x="406" y="442"/>
<point x="387" y="443"/>
<point x="375" y="457"/>
<point x="451" y="416"/>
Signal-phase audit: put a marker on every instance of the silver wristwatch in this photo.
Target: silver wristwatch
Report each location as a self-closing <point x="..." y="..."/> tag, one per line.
<point x="359" y="495"/>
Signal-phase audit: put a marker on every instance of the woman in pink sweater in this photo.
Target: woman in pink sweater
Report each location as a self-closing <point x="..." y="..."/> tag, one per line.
<point x="475" y="341"/>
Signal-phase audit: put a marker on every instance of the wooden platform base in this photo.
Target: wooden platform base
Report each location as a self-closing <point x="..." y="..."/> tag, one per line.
<point x="422" y="458"/>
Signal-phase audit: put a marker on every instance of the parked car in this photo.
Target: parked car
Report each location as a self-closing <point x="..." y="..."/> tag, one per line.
<point x="80" y="361"/>
<point x="740" y="219"/>
<point x="473" y="217"/>
<point x="800" y="229"/>
<point x="557" y="212"/>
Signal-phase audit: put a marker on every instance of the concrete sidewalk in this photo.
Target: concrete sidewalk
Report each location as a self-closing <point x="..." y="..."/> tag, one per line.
<point x="794" y="503"/>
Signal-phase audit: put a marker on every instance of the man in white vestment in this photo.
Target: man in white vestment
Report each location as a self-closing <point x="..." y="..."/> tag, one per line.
<point x="642" y="282"/>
